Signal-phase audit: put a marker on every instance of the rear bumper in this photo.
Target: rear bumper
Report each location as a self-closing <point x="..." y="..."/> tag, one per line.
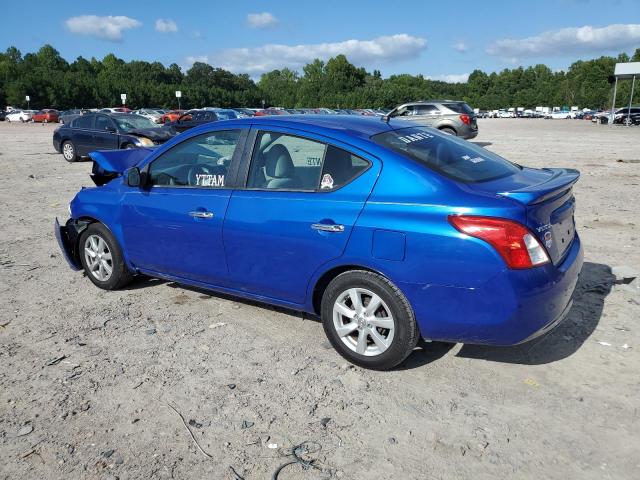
<point x="513" y="307"/>
<point x="67" y="237"/>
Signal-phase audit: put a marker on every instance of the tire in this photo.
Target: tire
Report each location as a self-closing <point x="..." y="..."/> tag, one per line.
<point x="69" y="151"/>
<point x="106" y="256"/>
<point x="449" y="131"/>
<point x="356" y="341"/>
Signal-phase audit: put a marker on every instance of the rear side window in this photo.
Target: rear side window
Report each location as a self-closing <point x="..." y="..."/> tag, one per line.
<point x="86" y="121"/>
<point x="287" y="162"/>
<point x="447" y="155"/>
<point x="459" y="107"/>
<point x="426" y="109"/>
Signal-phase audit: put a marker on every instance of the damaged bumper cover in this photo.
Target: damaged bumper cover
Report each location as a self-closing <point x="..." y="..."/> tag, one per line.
<point x="67" y="237"/>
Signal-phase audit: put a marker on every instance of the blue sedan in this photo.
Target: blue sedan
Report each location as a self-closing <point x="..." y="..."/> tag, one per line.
<point x="390" y="232"/>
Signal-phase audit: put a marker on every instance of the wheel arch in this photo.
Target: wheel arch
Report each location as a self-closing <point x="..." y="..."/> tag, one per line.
<point x="325" y="279"/>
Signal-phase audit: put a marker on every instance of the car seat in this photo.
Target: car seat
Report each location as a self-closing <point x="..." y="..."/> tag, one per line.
<point x="279" y="169"/>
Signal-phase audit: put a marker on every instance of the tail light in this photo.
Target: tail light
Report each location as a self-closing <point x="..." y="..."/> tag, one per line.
<point x="466" y="119"/>
<point x="514" y="242"/>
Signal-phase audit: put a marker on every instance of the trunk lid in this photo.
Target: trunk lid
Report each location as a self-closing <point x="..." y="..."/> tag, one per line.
<point x="547" y="196"/>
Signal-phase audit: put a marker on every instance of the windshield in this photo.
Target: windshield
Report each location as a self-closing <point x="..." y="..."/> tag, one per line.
<point x="457" y="159"/>
<point x="226" y="114"/>
<point x="133" y="122"/>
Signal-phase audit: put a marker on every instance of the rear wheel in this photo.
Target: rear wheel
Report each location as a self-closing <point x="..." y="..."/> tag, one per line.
<point x="449" y="131"/>
<point x="69" y="151"/>
<point x="102" y="258"/>
<point x="368" y="320"/>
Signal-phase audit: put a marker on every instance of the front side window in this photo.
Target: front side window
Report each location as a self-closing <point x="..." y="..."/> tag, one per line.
<point x="287" y="162"/>
<point x="449" y="156"/>
<point x="426" y="109"/>
<point x="201" y="161"/>
<point x="104" y="123"/>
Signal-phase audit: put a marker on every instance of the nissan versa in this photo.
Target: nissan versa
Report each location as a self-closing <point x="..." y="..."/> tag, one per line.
<point x="387" y="230"/>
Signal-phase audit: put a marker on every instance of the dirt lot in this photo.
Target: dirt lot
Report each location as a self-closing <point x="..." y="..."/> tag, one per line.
<point x="88" y="376"/>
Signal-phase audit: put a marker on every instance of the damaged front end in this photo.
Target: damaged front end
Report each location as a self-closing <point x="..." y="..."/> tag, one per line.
<point x="67" y="237"/>
<point x="110" y="164"/>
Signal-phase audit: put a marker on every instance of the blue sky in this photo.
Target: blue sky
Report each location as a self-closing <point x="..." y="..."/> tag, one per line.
<point x="445" y="40"/>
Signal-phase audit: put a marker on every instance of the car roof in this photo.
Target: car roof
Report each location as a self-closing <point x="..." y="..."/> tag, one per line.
<point x="332" y="125"/>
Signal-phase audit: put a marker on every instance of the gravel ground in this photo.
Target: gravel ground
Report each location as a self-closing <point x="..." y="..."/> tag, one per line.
<point x="90" y="379"/>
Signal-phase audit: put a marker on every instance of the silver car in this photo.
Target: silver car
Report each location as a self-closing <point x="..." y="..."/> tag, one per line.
<point x="449" y="116"/>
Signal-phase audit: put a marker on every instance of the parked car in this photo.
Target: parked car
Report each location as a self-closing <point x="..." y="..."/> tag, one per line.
<point x="192" y="118"/>
<point x="68" y="115"/>
<point x="558" y="115"/>
<point x="153" y="115"/>
<point x="46" y="116"/>
<point x="115" y="110"/>
<point x="224" y="113"/>
<point x="627" y="116"/>
<point x="171" y="116"/>
<point x="389" y="231"/>
<point x="271" y="111"/>
<point x="19" y="116"/>
<point x="107" y="131"/>
<point x="244" y="112"/>
<point x="448" y="116"/>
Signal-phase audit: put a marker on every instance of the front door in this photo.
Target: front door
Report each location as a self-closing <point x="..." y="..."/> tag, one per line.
<point x="173" y="226"/>
<point x="105" y="136"/>
<point x="301" y="201"/>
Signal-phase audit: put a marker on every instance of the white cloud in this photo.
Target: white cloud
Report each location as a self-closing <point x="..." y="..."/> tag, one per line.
<point x="108" y="28"/>
<point x="261" y="20"/>
<point x="361" y="52"/>
<point x="166" y="25"/>
<point x="569" y="41"/>
<point x="450" y="78"/>
<point x="460" y="47"/>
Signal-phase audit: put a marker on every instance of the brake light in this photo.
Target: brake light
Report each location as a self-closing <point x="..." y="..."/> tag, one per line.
<point x="466" y="119"/>
<point x="514" y="242"/>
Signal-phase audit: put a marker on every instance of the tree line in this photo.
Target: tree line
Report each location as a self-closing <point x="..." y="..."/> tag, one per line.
<point x="52" y="82"/>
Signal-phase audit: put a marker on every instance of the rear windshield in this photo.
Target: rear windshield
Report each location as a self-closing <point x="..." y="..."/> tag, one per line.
<point x="457" y="159"/>
<point x="459" y="107"/>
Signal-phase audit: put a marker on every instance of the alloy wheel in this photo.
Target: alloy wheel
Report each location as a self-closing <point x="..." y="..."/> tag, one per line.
<point x="363" y="321"/>
<point x="98" y="257"/>
<point x="67" y="151"/>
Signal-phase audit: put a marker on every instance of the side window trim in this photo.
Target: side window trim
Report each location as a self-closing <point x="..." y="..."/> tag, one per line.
<point x="244" y="166"/>
<point x="230" y="182"/>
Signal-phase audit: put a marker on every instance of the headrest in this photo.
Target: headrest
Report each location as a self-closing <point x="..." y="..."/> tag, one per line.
<point x="278" y="163"/>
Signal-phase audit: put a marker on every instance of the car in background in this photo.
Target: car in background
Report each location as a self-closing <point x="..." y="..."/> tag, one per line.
<point x="153" y="115"/>
<point x="115" y="110"/>
<point x="271" y="111"/>
<point x="626" y="116"/>
<point x="107" y="131"/>
<point x="224" y="113"/>
<point x="192" y="118"/>
<point x="46" y="115"/>
<point x="19" y="116"/>
<point x="244" y="112"/>
<point x="68" y="115"/>
<point x="558" y="115"/>
<point x="388" y="231"/>
<point x="171" y="116"/>
<point x="449" y="116"/>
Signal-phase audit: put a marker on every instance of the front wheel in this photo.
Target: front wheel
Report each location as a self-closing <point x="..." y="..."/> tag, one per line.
<point x="368" y="320"/>
<point x="102" y="258"/>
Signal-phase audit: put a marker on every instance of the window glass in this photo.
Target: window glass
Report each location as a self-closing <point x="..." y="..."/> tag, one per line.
<point x="450" y="156"/>
<point x="86" y="121"/>
<point x="287" y="162"/>
<point x="426" y="109"/>
<point x="459" y="107"/>
<point x="202" y="161"/>
<point x="103" y="123"/>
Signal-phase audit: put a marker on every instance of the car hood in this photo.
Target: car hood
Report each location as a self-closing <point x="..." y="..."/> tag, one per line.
<point x="118" y="161"/>
<point x="160" y="134"/>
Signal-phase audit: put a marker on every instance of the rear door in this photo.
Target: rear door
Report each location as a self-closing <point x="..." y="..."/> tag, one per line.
<point x="105" y="136"/>
<point x="82" y="134"/>
<point x="173" y="227"/>
<point x="296" y="213"/>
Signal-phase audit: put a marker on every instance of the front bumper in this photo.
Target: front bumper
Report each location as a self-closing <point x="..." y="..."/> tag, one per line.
<point x="67" y="237"/>
<point x="513" y="307"/>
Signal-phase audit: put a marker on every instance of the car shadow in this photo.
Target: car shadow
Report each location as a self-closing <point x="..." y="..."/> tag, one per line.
<point x="594" y="284"/>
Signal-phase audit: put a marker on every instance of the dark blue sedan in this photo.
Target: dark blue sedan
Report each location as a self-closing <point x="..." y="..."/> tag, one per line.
<point x="107" y="131"/>
<point x="386" y="230"/>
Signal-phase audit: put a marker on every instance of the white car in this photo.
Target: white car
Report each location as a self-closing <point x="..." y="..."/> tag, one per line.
<point x="562" y="114"/>
<point x="152" y="115"/>
<point x="19" y="116"/>
<point x="505" y="114"/>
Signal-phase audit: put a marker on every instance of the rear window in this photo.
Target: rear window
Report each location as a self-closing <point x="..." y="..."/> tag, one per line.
<point x="459" y="107"/>
<point x="454" y="158"/>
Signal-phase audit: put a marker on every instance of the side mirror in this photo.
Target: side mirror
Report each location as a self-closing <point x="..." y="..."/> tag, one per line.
<point x="133" y="177"/>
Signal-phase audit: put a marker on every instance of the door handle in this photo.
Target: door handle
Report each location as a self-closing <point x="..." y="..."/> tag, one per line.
<point x="328" y="227"/>
<point x="201" y="214"/>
